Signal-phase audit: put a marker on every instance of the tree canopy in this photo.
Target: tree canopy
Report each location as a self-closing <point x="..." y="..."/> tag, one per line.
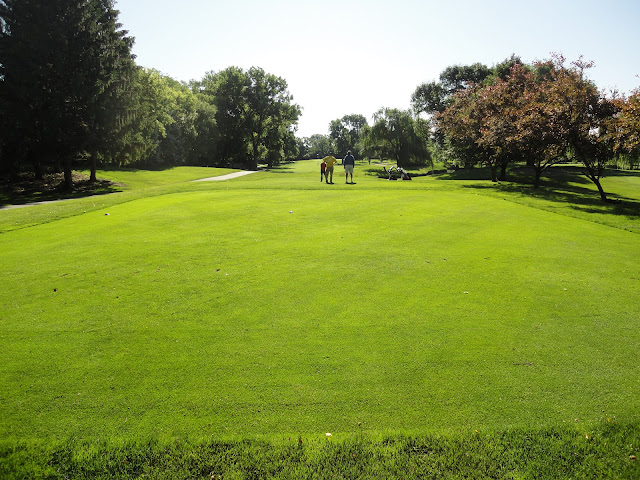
<point x="542" y="114"/>
<point x="64" y="66"/>
<point x="72" y="96"/>
<point x="396" y="134"/>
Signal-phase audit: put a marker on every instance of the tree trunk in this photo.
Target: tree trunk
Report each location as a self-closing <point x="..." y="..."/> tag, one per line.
<point x="9" y="162"/>
<point x="593" y="173"/>
<point x="503" y="172"/>
<point x="36" y="164"/>
<point x="603" y="196"/>
<point x="538" y="174"/>
<point x="92" y="161"/>
<point x="68" y="177"/>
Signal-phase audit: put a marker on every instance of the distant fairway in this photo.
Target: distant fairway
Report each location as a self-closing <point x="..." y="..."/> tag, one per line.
<point x="275" y="306"/>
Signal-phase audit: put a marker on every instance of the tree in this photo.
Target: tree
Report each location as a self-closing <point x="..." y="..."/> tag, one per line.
<point x="227" y="90"/>
<point x="459" y="77"/>
<point x="204" y="148"/>
<point x="271" y="116"/>
<point x="319" y="146"/>
<point x="581" y="116"/>
<point x="116" y="68"/>
<point x="346" y="133"/>
<point x="148" y="117"/>
<point x="180" y="131"/>
<point x="429" y="98"/>
<point x="303" y="145"/>
<point x="625" y="129"/>
<point x="459" y="126"/>
<point x="254" y="114"/>
<point x="536" y="114"/>
<point x="435" y="97"/>
<point x="60" y="62"/>
<point x="394" y="133"/>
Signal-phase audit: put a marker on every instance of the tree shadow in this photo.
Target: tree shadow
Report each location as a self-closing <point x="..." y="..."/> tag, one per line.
<point x="623" y="173"/>
<point x="571" y="189"/>
<point x="26" y="189"/>
<point x="285" y="168"/>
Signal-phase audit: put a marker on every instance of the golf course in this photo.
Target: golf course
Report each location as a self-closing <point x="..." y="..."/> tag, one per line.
<point x="275" y="326"/>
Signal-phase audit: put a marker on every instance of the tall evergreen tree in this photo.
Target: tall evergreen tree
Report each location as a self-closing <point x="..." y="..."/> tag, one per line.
<point x="62" y="63"/>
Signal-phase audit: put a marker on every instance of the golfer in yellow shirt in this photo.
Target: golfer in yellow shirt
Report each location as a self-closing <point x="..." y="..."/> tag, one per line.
<point x="330" y="160"/>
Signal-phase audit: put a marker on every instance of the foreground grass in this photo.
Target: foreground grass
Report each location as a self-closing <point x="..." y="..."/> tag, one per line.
<point x="275" y="307"/>
<point x="608" y="451"/>
<point x="128" y="185"/>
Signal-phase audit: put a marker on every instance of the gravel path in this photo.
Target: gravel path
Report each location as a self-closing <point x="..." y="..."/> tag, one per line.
<point x="226" y="177"/>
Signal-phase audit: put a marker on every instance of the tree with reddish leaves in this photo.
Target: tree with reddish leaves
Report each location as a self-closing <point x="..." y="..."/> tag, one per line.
<point x="486" y="116"/>
<point x="460" y="125"/>
<point x="581" y="117"/>
<point x="540" y="115"/>
<point x="625" y="130"/>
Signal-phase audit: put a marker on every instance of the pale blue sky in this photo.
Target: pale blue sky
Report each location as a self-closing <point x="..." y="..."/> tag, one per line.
<point x="353" y="56"/>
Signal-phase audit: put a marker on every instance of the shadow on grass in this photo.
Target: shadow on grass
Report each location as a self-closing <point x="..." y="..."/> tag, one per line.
<point x="29" y="190"/>
<point x="562" y="185"/>
<point x="286" y="168"/>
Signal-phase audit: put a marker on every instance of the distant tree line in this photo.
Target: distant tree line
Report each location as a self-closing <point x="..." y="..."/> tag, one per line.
<point x="539" y="115"/>
<point x="72" y="96"/>
<point x="397" y="135"/>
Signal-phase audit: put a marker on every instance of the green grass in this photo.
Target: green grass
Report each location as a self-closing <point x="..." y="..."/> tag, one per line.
<point x="129" y="185"/>
<point x="274" y="307"/>
<point x="558" y="453"/>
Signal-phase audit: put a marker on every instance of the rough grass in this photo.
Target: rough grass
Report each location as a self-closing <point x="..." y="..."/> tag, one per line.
<point x="405" y="311"/>
<point x="608" y="451"/>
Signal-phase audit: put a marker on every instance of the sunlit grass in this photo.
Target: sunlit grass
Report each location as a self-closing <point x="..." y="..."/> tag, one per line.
<point x="276" y="306"/>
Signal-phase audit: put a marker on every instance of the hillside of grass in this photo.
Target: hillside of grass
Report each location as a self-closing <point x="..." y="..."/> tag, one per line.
<point x="411" y="320"/>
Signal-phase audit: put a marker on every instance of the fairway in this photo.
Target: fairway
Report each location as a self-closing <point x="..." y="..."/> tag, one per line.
<point x="274" y="307"/>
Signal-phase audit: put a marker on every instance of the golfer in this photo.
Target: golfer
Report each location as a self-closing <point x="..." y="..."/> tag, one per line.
<point x="349" y="163"/>
<point x="330" y="160"/>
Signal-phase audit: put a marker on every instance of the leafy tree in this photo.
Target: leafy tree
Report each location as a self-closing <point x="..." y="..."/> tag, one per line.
<point x="204" y="148"/>
<point x="319" y="146"/>
<point x="459" y="126"/>
<point x="538" y="114"/>
<point x="254" y="114"/>
<point x="180" y="131"/>
<point x="227" y="90"/>
<point x="430" y="98"/>
<point x="459" y="77"/>
<point x="625" y="130"/>
<point x="303" y="145"/>
<point x="346" y="133"/>
<point x="509" y="123"/>
<point x="271" y="116"/>
<point x="581" y="116"/>
<point x="395" y="135"/>
<point x="152" y="103"/>
<point x="503" y="69"/>
<point x="339" y="136"/>
<point x="434" y="97"/>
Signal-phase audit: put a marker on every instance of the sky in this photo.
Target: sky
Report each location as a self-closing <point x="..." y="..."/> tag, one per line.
<point x="356" y="56"/>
